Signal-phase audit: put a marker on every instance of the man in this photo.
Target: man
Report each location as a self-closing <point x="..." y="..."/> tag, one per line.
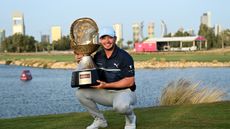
<point x="116" y="85"/>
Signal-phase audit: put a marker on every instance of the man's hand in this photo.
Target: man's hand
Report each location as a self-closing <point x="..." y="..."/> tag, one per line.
<point x="101" y="85"/>
<point x="123" y="83"/>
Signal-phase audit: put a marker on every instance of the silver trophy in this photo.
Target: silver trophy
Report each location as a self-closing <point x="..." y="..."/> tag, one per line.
<point x="84" y="40"/>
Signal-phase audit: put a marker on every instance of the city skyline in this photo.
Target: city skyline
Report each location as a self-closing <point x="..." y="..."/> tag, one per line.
<point x="40" y="16"/>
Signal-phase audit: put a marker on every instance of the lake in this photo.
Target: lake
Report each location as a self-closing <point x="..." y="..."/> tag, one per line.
<point x="49" y="92"/>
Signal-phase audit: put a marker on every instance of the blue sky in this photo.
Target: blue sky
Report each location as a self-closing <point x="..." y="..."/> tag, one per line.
<point x="40" y="15"/>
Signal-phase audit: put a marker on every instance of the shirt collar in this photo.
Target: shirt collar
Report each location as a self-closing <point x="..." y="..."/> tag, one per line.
<point x="113" y="54"/>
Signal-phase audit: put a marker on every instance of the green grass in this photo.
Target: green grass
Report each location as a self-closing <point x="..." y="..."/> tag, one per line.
<point x="51" y="57"/>
<point x="167" y="56"/>
<point x="200" y="116"/>
<point x="178" y="56"/>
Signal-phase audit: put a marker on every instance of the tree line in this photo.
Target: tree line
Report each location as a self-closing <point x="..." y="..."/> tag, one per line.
<point x="25" y="43"/>
<point x="220" y="40"/>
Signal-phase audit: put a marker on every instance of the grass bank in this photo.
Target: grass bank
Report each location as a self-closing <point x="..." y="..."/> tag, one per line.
<point x="203" y="56"/>
<point x="183" y="56"/>
<point x="59" y="57"/>
<point x="200" y="116"/>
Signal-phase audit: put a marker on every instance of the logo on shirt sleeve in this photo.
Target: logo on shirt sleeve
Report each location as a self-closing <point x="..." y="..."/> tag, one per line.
<point x="131" y="69"/>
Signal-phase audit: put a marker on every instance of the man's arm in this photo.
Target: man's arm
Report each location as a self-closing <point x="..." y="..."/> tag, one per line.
<point x="123" y="83"/>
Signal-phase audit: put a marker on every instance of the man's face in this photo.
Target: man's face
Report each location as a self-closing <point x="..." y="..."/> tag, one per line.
<point x="78" y="56"/>
<point x="108" y="42"/>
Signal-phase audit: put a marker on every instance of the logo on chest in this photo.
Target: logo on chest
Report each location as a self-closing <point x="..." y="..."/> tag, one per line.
<point x="116" y="65"/>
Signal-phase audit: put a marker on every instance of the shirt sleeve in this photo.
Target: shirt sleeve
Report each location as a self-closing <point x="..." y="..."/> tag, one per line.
<point x="128" y="69"/>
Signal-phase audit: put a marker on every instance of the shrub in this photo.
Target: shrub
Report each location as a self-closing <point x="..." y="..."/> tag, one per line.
<point x="185" y="92"/>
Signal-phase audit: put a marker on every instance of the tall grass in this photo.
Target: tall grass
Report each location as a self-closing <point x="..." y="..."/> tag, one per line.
<point x="185" y="92"/>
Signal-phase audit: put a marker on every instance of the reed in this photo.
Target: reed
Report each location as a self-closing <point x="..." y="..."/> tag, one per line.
<point x="183" y="91"/>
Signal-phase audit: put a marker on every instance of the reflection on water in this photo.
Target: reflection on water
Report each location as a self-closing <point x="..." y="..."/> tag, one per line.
<point x="49" y="92"/>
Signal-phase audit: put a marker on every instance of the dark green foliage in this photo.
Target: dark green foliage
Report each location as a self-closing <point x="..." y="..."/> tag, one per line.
<point x="226" y="37"/>
<point x="208" y="33"/>
<point x="24" y="43"/>
<point x="62" y="44"/>
<point x="18" y="43"/>
<point x="44" y="46"/>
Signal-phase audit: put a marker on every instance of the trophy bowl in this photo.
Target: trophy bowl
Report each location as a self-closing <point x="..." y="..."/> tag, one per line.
<point x="84" y="36"/>
<point x="87" y="50"/>
<point x="84" y="40"/>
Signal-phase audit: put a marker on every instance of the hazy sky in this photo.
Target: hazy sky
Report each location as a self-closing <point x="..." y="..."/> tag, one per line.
<point x="40" y="15"/>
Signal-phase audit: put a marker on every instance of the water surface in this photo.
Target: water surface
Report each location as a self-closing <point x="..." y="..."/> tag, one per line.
<point x="49" y="92"/>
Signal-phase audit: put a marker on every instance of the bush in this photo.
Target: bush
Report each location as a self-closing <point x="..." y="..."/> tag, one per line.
<point x="185" y="92"/>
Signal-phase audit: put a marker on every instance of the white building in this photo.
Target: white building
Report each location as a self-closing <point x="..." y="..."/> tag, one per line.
<point x="45" y="38"/>
<point x="56" y="33"/>
<point x="206" y="19"/>
<point x="217" y="29"/>
<point x="119" y="31"/>
<point x="137" y="32"/>
<point x="163" y="29"/>
<point x="2" y="35"/>
<point x="18" y="23"/>
<point x="191" y="32"/>
<point x="151" y="30"/>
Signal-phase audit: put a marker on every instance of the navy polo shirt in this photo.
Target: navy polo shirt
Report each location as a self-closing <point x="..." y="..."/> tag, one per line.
<point x="115" y="68"/>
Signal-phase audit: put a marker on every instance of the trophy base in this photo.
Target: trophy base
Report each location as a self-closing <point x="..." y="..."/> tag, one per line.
<point x="85" y="78"/>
